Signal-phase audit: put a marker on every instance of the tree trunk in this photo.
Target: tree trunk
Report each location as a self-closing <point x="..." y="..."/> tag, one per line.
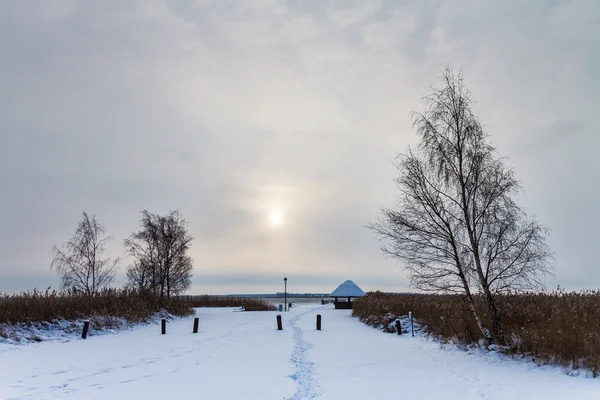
<point x="477" y="317"/>
<point x="489" y="298"/>
<point x="494" y="315"/>
<point x="471" y="303"/>
<point x="469" y="296"/>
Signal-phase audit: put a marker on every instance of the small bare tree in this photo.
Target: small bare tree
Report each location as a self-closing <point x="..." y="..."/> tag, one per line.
<point x="80" y="261"/>
<point x="162" y="265"/>
<point x="455" y="225"/>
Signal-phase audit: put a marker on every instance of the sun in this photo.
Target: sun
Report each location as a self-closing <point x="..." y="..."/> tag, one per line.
<point x="275" y="217"/>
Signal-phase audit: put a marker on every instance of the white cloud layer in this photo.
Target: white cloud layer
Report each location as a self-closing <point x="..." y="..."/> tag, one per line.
<point x="225" y="109"/>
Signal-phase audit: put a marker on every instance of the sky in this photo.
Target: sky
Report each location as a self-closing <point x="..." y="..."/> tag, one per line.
<point x="236" y="112"/>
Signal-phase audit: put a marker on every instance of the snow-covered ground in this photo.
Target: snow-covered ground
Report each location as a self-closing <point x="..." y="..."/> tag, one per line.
<point x="241" y="355"/>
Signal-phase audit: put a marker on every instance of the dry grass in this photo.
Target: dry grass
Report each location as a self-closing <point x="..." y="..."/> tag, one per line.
<point x="557" y="328"/>
<point x="250" y="304"/>
<point x="24" y="314"/>
<point x="110" y="304"/>
<point x="106" y="309"/>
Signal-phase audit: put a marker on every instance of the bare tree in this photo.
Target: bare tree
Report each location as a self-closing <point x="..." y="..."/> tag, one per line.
<point x="455" y="225"/>
<point x="162" y="265"/>
<point x="80" y="263"/>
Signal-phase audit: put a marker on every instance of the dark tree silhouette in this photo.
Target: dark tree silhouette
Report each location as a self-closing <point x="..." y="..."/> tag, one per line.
<point x="162" y="265"/>
<point x="455" y="225"/>
<point x="80" y="263"/>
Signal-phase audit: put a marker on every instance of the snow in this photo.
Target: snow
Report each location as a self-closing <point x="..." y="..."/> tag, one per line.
<point x="348" y="289"/>
<point x="62" y="330"/>
<point x="241" y="355"/>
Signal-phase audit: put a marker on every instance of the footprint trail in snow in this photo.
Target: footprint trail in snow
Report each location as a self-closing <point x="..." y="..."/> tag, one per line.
<point x="306" y="383"/>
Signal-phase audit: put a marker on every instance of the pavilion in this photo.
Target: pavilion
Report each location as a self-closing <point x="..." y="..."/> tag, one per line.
<point x="344" y="294"/>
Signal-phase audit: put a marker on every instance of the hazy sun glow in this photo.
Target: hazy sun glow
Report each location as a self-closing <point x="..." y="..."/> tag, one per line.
<point x="275" y="217"/>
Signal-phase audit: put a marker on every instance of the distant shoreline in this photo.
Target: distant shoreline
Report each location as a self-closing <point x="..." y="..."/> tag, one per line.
<point x="269" y="295"/>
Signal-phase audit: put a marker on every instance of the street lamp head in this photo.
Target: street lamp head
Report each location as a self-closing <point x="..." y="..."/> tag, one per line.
<point x="285" y="279"/>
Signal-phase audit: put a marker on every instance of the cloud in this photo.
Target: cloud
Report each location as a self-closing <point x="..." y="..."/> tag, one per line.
<point x="343" y="13"/>
<point x="225" y="109"/>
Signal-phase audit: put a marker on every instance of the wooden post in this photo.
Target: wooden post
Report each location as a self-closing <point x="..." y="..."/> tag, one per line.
<point x="196" y="320"/>
<point x="163" y="326"/>
<point x="86" y="326"/>
<point x="279" y="325"/>
<point x="412" y="328"/>
<point x="318" y="322"/>
<point x="398" y="327"/>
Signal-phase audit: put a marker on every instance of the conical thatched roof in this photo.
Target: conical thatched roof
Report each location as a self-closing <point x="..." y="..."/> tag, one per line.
<point x="348" y="289"/>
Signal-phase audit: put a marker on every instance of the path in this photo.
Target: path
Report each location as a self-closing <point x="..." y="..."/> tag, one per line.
<point x="307" y="385"/>
<point x="243" y="356"/>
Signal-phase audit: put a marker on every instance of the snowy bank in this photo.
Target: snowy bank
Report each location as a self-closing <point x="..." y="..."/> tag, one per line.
<point x="61" y="330"/>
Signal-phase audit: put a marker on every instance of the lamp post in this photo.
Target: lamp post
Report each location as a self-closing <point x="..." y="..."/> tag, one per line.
<point x="285" y="293"/>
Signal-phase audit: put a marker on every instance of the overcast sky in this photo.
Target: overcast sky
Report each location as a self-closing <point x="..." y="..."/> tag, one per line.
<point x="230" y="110"/>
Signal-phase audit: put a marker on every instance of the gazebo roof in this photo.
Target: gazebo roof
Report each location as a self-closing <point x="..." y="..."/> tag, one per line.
<point x="348" y="289"/>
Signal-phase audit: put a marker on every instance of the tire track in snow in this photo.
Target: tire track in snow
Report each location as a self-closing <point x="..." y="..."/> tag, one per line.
<point x="306" y="383"/>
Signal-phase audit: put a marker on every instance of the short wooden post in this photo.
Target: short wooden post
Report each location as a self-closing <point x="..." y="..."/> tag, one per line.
<point x="279" y="325"/>
<point x="412" y="328"/>
<point x="86" y="326"/>
<point x="318" y="322"/>
<point x="196" y="320"/>
<point x="398" y="327"/>
<point x="163" y="326"/>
